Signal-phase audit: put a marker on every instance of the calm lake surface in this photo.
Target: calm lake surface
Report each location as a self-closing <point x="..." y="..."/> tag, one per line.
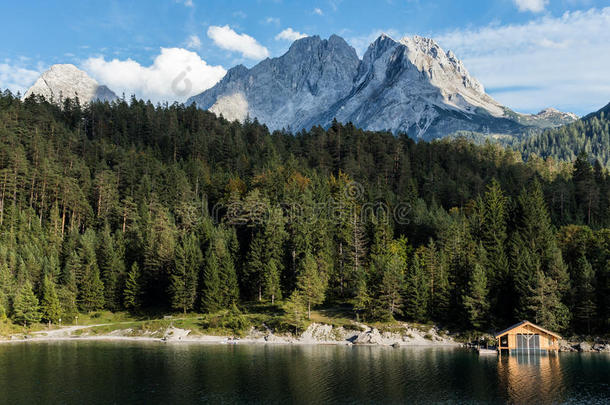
<point x="157" y="373"/>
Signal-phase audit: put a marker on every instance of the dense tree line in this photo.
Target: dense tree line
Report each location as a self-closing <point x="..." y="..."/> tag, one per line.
<point x="134" y="206"/>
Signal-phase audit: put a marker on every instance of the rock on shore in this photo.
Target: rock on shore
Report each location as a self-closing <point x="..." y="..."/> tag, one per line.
<point x="583" y="346"/>
<point x="401" y="335"/>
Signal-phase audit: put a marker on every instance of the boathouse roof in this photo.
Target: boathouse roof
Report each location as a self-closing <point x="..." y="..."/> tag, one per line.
<point x="548" y="332"/>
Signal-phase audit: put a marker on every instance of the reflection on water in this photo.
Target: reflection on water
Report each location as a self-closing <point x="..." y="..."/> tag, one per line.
<point x="527" y="377"/>
<point x="125" y="373"/>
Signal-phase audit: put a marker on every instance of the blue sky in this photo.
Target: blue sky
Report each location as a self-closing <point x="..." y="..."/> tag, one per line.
<point x="529" y="54"/>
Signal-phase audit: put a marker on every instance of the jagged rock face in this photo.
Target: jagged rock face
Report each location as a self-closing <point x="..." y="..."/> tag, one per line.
<point x="67" y="81"/>
<point x="413" y="86"/>
<point x="286" y="92"/>
<point x="410" y="86"/>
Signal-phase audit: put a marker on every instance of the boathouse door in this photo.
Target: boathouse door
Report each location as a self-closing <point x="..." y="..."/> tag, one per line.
<point x="527" y="342"/>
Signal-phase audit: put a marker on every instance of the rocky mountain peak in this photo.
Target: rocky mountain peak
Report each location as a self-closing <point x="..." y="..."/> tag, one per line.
<point x="64" y="81"/>
<point x="288" y="91"/>
<point x="442" y="67"/>
<point x="559" y="117"/>
<point x="411" y="85"/>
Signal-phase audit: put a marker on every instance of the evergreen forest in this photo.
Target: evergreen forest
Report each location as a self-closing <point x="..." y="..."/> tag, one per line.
<point x="131" y="206"/>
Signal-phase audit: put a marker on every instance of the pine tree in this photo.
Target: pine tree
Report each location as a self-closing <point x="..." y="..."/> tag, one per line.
<point x="534" y="249"/>
<point x="265" y="264"/>
<point x="357" y="248"/>
<point x="25" y="306"/>
<point x="350" y="235"/>
<point x="275" y="236"/>
<point x="91" y="291"/>
<point x="295" y="308"/>
<point x="416" y="291"/>
<point x="545" y="305"/>
<point x="476" y="301"/>
<point x="585" y="187"/>
<point x="584" y="294"/>
<point x="187" y="263"/>
<point x="310" y="285"/>
<point x="391" y="286"/>
<point x="272" y="281"/>
<point x="211" y="293"/>
<point x="228" y="275"/>
<point x="362" y="300"/>
<point x="436" y="272"/>
<point x="493" y="236"/>
<point x="159" y="245"/>
<point x="389" y="269"/>
<point x="71" y="270"/>
<point x="132" y="294"/>
<point x="255" y="265"/>
<point x="49" y="304"/>
<point x="6" y="286"/>
<point x="67" y="302"/>
<point x="90" y="288"/>
<point x="112" y="267"/>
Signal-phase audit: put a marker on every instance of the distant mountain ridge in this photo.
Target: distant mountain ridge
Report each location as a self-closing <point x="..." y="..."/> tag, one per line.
<point x="410" y="86"/>
<point x="590" y="134"/>
<point x="64" y="81"/>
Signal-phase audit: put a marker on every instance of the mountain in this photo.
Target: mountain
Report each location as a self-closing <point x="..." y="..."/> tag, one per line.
<point x="67" y="81"/>
<point x="547" y="118"/>
<point x="290" y="91"/>
<point x="410" y="86"/>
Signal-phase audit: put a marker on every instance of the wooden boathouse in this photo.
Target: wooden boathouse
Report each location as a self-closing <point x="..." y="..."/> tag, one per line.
<point x="527" y="337"/>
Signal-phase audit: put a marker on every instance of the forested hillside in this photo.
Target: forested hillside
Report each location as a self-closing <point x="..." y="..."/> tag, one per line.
<point x="140" y="207"/>
<point x="590" y="134"/>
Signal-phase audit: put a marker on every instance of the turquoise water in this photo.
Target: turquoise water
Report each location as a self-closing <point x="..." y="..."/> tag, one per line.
<point x="157" y="373"/>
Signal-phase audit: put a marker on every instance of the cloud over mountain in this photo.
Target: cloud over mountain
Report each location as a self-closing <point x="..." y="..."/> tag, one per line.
<point x="175" y="75"/>
<point x="15" y="77"/>
<point x="226" y="38"/>
<point x="289" y="35"/>
<point x="540" y="62"/>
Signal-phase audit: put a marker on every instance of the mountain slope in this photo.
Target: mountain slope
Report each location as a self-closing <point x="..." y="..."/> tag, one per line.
<point x="67" y="81"/>
<point x="413" y="86"/>
<point x="410" y="86"/>
<point x="286" y="92"/>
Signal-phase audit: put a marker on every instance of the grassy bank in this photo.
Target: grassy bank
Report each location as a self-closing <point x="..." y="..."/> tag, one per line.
<point x="261" y="316"/>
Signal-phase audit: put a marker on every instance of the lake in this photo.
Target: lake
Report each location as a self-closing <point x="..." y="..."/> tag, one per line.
<point x="156" y="373"/>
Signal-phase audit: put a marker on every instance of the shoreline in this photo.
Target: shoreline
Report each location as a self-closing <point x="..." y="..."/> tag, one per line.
<point x="183" y="337"/>
<point x="315" y="334"/>
<point x="215" y="340"/>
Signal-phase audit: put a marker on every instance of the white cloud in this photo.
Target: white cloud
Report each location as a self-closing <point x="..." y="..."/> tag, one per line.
<point x="175" y="75"/>
<point x="549" y="61"/>
<point x="272" y="20"/>
<point x="193" y="42"/>
<point x="16" y="77"/>
<point x="318" y="11"/>
<point x="226" y="38"/>
<point x="289" y="35"/>
<point x="187" y="3"/>
<point x="535" y="6"/>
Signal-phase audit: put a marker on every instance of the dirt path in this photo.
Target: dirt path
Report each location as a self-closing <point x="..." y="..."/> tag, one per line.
<point x="66" y="330"/>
